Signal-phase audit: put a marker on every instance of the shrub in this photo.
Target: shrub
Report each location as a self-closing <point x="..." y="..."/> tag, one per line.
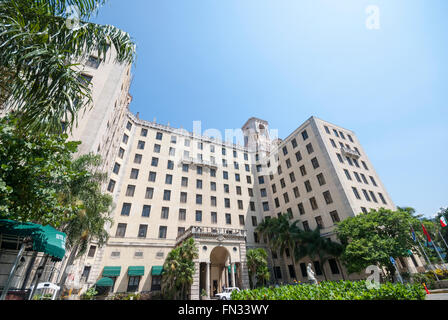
<point x="343" y="290"/>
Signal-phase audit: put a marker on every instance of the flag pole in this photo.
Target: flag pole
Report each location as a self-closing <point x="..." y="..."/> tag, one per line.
<point x="421" y="247"/>
<point x="443" y="239"/>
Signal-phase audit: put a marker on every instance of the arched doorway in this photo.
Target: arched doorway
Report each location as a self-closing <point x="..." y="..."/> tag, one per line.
<point x="217" y="274"/>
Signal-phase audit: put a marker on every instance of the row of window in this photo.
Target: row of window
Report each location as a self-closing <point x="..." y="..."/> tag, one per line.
<point x="143" y="228"/>
<point x="338" y="134"/>
<point x="369" y="195"/>
<point x="352" y="161"/>
<point x="360" y="177"/>
<point x="187" y="143"/>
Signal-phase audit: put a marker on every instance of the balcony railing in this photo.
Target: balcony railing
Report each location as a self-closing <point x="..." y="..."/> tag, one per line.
<point x="350" y="153"/>
<point x="198" y="232"/>
<point x="199" y="162"/>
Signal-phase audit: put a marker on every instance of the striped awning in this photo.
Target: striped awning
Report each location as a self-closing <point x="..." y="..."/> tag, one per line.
<point x="111" y="271"/>
<point x="157" y="270"/>
<point x="136" y="271"/>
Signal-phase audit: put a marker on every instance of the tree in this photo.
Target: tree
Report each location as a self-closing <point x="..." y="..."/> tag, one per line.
<point x="89" y="224"/>
<point x="34" y="172"/>
<point x="372" y="238"/>
<point x="443" y="230"/>
<point x="266" y="230"/>
<point x="312" y="244"/>
<point x="39" y="76"/>
<point x="178" y="270"/>
<point x="258" y="266"/>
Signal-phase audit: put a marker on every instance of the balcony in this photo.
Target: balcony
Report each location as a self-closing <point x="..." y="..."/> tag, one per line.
<point x="212" y="232"/>
<point x="199" y="162"/>
<point x="347" y="152"/>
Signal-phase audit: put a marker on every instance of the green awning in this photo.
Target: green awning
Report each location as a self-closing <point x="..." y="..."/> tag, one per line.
<point x="111" y="271"/>
<point x="46" y="239"/>
<point x="136" y="271"/>
<point x="105" y="282"/>
<point x="157" y="270"/>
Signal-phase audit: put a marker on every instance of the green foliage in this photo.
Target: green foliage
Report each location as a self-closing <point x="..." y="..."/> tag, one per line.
<point x="343" y="290"/>
<point x="127" y="296"/>
<point x="258" y="266"/>
<point x="38" y="54"/>
<point x="34" y="172"/>
<point x="89" y="294"/>
<point x="372" y="238"/>
<point x="178" y="270"/>
<point x="47" y="296"/>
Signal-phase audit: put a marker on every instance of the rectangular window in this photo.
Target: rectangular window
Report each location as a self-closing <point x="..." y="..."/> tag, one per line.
<point x="310" y="148"/>
<point x="347" y="174"/>
<point x="111" y="186"/>
<point x="198" y="199"/>
<point x="182" y="214"/>
<point x="170" y="165"/>
<point x="184" y="182"/>
<point x="168" y="179"/>
<point x="238" y="190"/>
<point x="159" y="136"/>
<point x="285" y="150"/>
<point x="301" y="209"/>
<point x="227" y="202"/>
<point x="138" y="158"/>
<point x="116" y="168"/>
<point x="165" y="213"/>
<point x="333" y="266"/>
<point x="183" y="197"/>
<point x="340" y="158"/>
<point x="254" y="221"/>
<point x="334" y="216"/>
<point x="294" y="143"/>
<point x="292" y="177"/>
<point x="286" y="197"/>
<point x="304" y="135"/>
<point x="315" y="163"/>
<point x="141" y="145"/>
<point x="162" y="232"/>
<point x="167" y="195"/>
<point x="213" y="186"/>
<point x="144" y="132"/>
<point x="319" y="222"/>
<point x="327" y="197"/>
<point x="265" y="206"/>
<point x="198" y="216"/>
<point x="130" y="191"/>
<point x="306" y="226"/>
<point x="303" y="170"/>
<point x="155" y="162"/>
<point x="228" y="218"/>
<point x="157" y="148"/>
<point x="313" y="203"/>
<point x="146" y="211"/>
<point x="365" y="165"/>
<point x="355" y="191"/>
<point x="372" y="195"/>
<point x="198" y="184"/>
<point x="383" y="200"/>
<point x="308" y="186"/>
<point x="91" y="253"/>
<point x="241" y="217"/>
<point x="214" y="217"/>
<point x="121" y="153"/>
<point x="125" y="138"/>
<point x="142" y="230"/>
<point x="373" y="181"/>
<point x="152" y="176"/>
<point x="134" y="174"/>
<point x="121" y="230"/>
<point x="321" y="179"/>
<point x="299" y="156"/>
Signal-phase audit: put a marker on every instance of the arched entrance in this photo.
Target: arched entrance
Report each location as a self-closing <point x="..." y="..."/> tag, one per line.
<point x="218" y="274"/>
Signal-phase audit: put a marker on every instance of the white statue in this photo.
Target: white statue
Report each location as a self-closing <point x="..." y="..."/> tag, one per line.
<point x="311" y="278"/>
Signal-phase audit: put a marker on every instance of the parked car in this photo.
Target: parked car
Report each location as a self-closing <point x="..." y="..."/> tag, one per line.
<point x="225" y="295"/>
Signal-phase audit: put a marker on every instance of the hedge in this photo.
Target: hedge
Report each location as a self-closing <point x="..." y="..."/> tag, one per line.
<point x="343" y="290"/>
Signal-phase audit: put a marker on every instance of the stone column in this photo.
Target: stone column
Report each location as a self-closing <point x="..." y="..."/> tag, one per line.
<point x="207" y="278"/>
<point x="232" y="271"/>
<point x="194" y="295"/>
<point x="243" y="267"/>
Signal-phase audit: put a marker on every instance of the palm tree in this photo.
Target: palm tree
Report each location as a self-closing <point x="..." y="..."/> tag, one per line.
<point x="312" y="244"/>
<point x="89" y="224"/>
<point x="258" y="266"/>
<point x="286" y="236"/>
<point x="266" y="230"/>
<point x="179" y="268"/>
<point x="39" y="52"/>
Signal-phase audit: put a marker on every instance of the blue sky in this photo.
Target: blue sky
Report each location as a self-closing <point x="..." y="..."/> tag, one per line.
<point x="223" y="61"/>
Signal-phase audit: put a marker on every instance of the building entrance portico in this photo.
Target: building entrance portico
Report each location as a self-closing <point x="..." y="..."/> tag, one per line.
<point x="221" y="262"/>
